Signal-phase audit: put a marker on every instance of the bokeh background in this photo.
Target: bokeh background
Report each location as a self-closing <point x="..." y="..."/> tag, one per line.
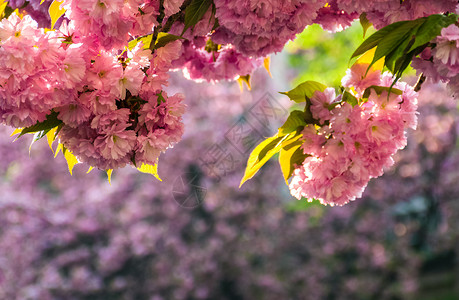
<point x="196" y="235"/>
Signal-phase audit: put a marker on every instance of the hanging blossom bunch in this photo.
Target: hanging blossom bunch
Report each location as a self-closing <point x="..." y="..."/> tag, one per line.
<point x="98" y="82"/>
<point x="110" y="109"/>
<point x="334" y="147"/>
<point x="350" y="144"/>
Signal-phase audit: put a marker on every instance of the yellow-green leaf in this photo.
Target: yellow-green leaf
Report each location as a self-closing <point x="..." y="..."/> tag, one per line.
<point x="16" y="131"/>
<point x="90" y="169"/>
<point x="109" y="175"/>
<point x="150" y="169"/>
<point x="51" y="137"/>
<point x="244" y="79"/>
<point x="266" y="64"/>
<point x="294" y="121"/>
<point x="146" y="40"/>
<point x="71" y="160"/>
<point x="304" y="91"/>
<point x="165" y="38"/>
<point x="367" y="58"/>
<point x="59" y="148"/>
<point x="365" y="23"/>
<point x="379" y="90"/>
<point x="262" y="153"/>
<point x="291" y="155"/>
<point x="3" y="5"/>
<point x="55" y="12"/>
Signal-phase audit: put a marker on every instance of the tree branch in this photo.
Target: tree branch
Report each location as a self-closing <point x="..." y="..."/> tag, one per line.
<point x="421" y="80"/>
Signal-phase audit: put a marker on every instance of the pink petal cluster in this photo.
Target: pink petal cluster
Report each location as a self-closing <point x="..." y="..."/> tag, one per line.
<point x="442" y="62"/>
<point x="112" y="22"/>
<point x="113" y="107"/>
<point x="355" y="145"/>
<point x="384" y="12"/>
<point x="199" y="62"/>
<point x="37" y="73"/>
<point x="334" y="19"/>
<point x="259" y="28"/>
<point x="122" y="116"/>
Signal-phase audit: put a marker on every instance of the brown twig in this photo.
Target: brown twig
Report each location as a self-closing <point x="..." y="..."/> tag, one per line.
<point x="158" y="28"/>
<point x="421" y="80"/>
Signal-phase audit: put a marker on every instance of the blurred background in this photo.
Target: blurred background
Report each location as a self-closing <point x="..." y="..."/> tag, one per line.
<point x="196" y="235"/>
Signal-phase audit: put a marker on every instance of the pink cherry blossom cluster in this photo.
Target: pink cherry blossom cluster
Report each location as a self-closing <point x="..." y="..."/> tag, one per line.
<point x="384" y="12"/>
<point x="200" y="61"/>
<point x="122" y="116"/>
<point x="112" y="22"/>
<point x="441" y="63"/>
<point x="353" y="143"/>
<point x="37" y="72"/>
<point x="113" y="107"/>
<point x="259" y="28"/>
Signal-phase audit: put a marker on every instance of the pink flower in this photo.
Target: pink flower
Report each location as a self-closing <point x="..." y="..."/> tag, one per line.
<point x="358" y="77"/>
<point x="132" y="80"/>
<point x="74" y="66"/>
<point x="105" y="74"/>
<point x="73" y="114"/>
<point x="447" y="45"/>
<point x="321" y="102"/>
<point x="116" y="143"/>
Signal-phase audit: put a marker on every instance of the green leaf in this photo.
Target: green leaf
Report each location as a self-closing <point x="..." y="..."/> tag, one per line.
<point x="290" y="156"/>
<point x="262" y="153"/>
<point x="380" y="89"/>
<point x="294" y="120"/>
<point x="55" y="12"/>
<point x="304" y="91"/>
<point x="194" y="13"/>
<point x="392" y="59"/>
<point x="150" y="169"/>
<point x="399" y="42"/>
<point x="396" y="40"/>
<point x="375" y="38"/>
<point x="431" y="28"/>
<point x="165" y="38"/>
<point x="365" y="23"/>
<point x="349" y="98"/>
<point x="402" y="63"/>
<point x="48" y="124"/>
